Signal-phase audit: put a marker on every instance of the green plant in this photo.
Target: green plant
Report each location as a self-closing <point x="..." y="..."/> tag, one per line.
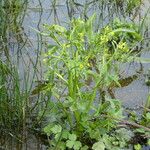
<point x="78" y="112"/>
<point x="11" y="103"/>
<point x="11" y="17"/>
<point x="80" y="70"/>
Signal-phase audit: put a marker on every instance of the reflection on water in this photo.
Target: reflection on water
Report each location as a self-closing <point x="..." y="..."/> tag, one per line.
<point x="28" y="142"/>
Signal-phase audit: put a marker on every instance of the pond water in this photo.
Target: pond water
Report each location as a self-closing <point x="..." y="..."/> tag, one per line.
<point x="30" y="142"/>
<point x="42" y="12"/>
<point x="31" y="45"/>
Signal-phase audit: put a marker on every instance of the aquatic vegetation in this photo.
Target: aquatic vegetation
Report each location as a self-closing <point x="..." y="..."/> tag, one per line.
<point x="74" y="105"/>
<point x="11" y="19"/>
<point x="9" y="102"/>
<point x="12" y="97"/>
<point x="106" y="11"/>
<point x="82" y="114"/>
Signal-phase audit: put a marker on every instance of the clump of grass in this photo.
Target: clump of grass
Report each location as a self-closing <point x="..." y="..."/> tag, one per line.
<point x="12" y="98"/>
<point x="11" y="15"/>
<point x="11" y="101"/>
<point x="17" y="101"/>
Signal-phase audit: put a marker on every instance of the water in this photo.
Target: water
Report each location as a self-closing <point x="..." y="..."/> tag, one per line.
<point x="30" y="142"/>
<point x="32" y="45"/>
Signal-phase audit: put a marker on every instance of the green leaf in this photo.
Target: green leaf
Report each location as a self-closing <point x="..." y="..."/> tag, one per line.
<point x="138" y="147"/>
<point x="125" y="134"/>
<point x="95" y="134"/>
<point x="65" y="134"/>
<point x="50" y="46"/>
<point x="85" y="147"/>
<point x="69" y="144"/>
<point x="59" y="28"/>
<point x="62" y="145"/>
<point x="128" y="31"/>
<point x="77" y="145"/>
<point x="57" y="136"/>
<point x="56" y="129"/>
<point x="98" y="146"/>
<point x="47" y="129"/>
<point x="72" y="137"/>
<point x="140" y="130"/>
<point x="148" y="116"/>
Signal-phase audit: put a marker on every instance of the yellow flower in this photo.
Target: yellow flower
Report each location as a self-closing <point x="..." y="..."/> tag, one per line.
<point x="104" y="39"/>
<point x="81" y="66"/>
<point x="123" y="46"/>
<point x="88" y="64"/>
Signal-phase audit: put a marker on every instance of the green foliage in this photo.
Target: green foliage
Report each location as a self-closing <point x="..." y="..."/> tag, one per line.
<point x="137" y="147"/>
<point x="11" y="103"/>
<point x="82" y="65"/>
<point x="129" y="31"/>
<point x="72" y="143"/>
<point x="80" y="70"/>
<point x="133" y="5"/>
<point x="98" y="146"/>
<point x="11" y="13"/>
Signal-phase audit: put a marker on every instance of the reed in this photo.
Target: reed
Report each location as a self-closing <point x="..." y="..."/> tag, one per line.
<point x="12" y="98"/>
